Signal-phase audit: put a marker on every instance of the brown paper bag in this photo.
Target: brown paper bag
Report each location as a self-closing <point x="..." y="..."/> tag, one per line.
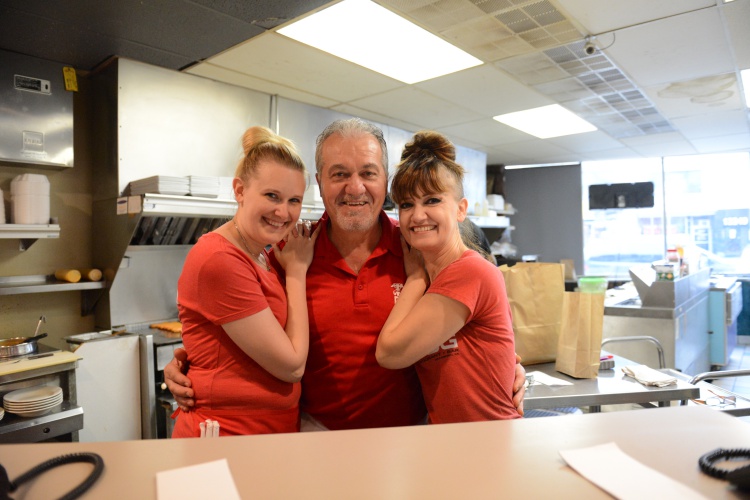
<point x="535" y="293"/>
<point x="580" y="344"/>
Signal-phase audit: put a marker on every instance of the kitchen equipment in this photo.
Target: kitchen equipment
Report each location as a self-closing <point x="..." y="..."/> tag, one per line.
<point x="36" y="125"/>
<point x="724" y="306"/>
<point x="113" y="414"/>
<point x="673" y="312"/>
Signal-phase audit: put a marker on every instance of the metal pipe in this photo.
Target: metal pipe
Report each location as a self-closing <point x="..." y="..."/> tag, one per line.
<point x="659" y="348"/>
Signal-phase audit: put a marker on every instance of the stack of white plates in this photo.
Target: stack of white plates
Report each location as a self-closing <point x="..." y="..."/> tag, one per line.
<point x="160" y="184"/>
<point x="34" y="401"/>
<point x="207" y="187"/>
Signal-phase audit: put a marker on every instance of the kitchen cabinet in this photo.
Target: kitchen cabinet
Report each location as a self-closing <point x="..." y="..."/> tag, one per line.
<point x="59" y="425"/>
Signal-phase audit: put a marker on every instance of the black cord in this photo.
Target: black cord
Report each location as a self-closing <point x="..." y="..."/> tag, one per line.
<point x="706" y="462"/>
<point x="76" y="492"/>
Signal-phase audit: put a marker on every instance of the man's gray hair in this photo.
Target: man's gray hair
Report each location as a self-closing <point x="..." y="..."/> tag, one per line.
<point x="350" y="127"/>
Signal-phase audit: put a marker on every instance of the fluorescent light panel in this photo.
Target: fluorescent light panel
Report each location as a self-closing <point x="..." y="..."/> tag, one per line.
<point x="547" y="121"/>
<point x="745" y="75"/>
<point x="372" y="36"/>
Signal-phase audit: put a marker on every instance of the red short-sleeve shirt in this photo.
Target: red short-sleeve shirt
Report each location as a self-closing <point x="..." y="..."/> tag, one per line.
<point x="344" y="387"/>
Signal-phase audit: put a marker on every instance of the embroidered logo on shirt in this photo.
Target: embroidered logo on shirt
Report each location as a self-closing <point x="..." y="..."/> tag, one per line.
<point x="397" y="287"/>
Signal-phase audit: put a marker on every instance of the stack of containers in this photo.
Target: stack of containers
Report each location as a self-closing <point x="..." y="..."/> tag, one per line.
<point x="29" y="197"/>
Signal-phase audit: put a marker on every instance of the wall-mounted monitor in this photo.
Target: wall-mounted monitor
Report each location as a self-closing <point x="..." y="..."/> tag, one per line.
<point x="633" y="195"/>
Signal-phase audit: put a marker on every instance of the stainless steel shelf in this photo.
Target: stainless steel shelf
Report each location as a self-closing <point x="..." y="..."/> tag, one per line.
<point x="29" y="233"/>
<point x="18" y="285"/>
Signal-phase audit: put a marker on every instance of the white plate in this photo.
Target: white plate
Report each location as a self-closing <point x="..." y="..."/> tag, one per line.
<point x="35" y="406"/>
<point x="2" y="413"/>
<point x="34" y="413"/>
<point x="35" y="402"/>
<point x="32" y="394"/>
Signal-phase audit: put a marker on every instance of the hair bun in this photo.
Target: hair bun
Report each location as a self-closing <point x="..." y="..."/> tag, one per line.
<point x="428" y="144"/>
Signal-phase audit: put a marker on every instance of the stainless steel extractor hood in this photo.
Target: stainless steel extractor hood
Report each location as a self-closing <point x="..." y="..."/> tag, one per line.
<point x="142" y="253"/>
<point x="36" y="112"/>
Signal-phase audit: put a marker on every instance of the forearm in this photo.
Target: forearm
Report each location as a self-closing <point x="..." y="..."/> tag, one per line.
<point x="390" y="343"/>
<point x="297" y="327"/>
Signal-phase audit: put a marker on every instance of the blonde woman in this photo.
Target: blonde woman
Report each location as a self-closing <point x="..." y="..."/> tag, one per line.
<point x="246" y="333"/>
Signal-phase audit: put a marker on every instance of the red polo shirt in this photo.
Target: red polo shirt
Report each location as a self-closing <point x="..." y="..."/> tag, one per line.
<point x="344" y="387"/>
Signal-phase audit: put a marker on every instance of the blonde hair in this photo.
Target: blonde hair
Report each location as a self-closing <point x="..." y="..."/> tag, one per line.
<point x="424" y="157"/>
<point x="262" y="143"/>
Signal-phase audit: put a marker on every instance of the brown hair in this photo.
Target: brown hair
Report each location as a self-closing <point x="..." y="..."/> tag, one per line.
<point x="423" y="159"/>
<point x="262" y="143"/>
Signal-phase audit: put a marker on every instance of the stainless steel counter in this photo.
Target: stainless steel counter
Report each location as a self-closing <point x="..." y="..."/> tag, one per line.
<point x="609" y="388"/>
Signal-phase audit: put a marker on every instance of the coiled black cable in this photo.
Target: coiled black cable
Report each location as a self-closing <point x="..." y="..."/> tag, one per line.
<point x="76" y="492"/>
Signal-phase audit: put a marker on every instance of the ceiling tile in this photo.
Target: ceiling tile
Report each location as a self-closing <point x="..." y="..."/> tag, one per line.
<point x="710" y="94"/>
<point x="736" y="16"/>
<point x="412" y="105"/>
<point x="713" y="124"/>
<point x="208" y="70"/>
<point x="485" y="90"/>
<point x="737" y="142"/>
<point x="597" y="18"/>
<point x="691" y="51"/>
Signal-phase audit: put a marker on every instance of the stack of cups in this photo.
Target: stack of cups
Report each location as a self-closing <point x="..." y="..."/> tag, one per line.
<point x="29" y="197"/>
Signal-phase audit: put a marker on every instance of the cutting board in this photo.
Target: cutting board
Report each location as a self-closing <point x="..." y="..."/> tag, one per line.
<point x="25" y="364"/>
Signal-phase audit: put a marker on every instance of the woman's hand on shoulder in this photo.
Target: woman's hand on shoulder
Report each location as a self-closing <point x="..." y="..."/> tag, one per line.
<point x="413" y="262"/>
<point x="299" y="245"/>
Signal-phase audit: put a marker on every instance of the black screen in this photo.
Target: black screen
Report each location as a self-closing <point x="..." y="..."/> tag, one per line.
<point x="634" y="195"/>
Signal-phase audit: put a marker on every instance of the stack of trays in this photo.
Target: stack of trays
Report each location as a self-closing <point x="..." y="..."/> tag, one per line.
<point x="206" y="187"/>
<point x="160" y="184"/>
<point x="34" y="401"/>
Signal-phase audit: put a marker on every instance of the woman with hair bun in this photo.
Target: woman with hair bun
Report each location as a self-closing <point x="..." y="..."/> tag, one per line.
<point x="246" y="333"/>
<point x="452" y="317"/>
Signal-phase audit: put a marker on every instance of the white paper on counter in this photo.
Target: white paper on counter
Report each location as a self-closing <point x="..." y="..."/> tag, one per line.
<point x="208" y="480"/>
<point x="544" y="379"/>
<point x="623" y="477"/>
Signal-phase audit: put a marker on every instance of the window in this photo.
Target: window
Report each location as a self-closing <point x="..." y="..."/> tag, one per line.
<point x="704" y="199"/>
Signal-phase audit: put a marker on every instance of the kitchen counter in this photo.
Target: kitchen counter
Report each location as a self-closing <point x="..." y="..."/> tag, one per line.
<point x="513" y="459"/>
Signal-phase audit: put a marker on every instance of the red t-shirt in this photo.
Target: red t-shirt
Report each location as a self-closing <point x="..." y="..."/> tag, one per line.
<point x="219" y="284"/>
<point x="344" y="387"/>
<point x="470" y="377"/>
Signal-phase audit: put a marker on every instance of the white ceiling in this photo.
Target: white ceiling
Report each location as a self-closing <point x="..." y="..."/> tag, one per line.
<point x="665" y="80"/>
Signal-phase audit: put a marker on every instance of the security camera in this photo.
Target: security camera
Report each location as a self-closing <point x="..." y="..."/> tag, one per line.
<point x="589" y="48"/>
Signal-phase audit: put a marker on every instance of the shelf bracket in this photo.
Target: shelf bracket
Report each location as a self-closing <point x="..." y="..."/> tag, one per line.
<point x="25" y="243"/>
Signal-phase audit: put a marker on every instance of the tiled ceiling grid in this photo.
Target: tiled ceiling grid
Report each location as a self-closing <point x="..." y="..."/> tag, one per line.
<point x="538" y="45"/>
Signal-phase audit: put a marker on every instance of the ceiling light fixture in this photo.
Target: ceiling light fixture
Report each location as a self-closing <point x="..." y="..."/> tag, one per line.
<point x="745" y="76"/>
<point x="546" y="122"/>
<point x="372" y="36"/>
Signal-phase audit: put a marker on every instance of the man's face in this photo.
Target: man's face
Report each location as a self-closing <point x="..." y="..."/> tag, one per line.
<point x="352" y="181"/>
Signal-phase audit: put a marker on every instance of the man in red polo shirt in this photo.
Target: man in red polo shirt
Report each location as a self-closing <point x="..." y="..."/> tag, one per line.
<point x="354" y="280"/>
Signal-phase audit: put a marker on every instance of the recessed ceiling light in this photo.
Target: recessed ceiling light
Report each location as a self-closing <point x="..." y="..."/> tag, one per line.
<point x="372" y="36"/>
<point x="745" y="75"/>
<point x="547" y="121"/>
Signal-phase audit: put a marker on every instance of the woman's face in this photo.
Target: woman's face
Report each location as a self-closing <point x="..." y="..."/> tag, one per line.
<point x="270" y="202"/>
<point x="430" y="221"/>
